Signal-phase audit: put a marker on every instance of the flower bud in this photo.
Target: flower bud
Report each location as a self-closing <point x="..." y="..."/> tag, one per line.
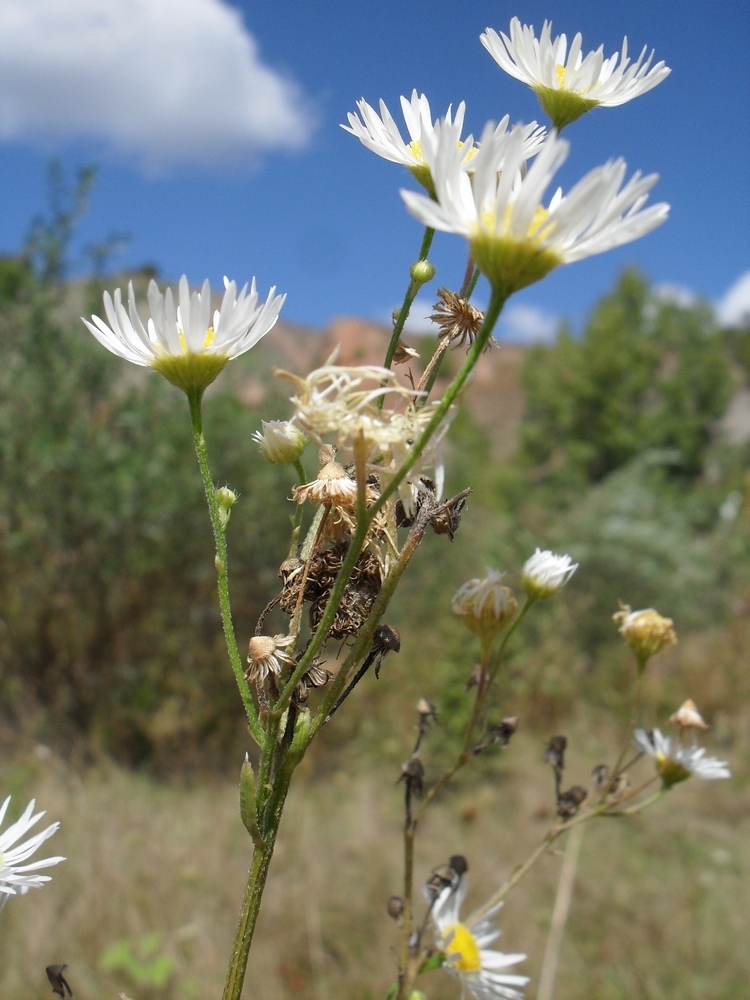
<point x="280" y="441"/>
<point x="248" y="806"/>
<point x="545" y="574"/>
<point x="484" y="605"/>
<point x="646" y="632"/>
<point x="225" y="500"/>
<point x="421" y="272"/>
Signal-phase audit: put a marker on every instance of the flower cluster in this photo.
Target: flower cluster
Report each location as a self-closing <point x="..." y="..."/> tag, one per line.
<point x="343" y="402"/>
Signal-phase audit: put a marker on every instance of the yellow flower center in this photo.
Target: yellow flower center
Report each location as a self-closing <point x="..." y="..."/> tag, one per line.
<point x="536" y="232"/>
<point x="462" y="949"/>
<point x="560" y="73"/>
<point x="207" y="340"/>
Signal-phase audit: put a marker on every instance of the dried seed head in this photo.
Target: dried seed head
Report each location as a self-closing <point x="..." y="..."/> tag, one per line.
<point x="555" y="752"/>
<point x="289" y="569"/>
<point x="427" y="710"/>
<point x="403" y="353"/>
<point x="265" y="656"/>
<point x="458" y="864"/>
<point x="646" y="632"/>
<point x="687" y="716"/>
<point x="570" y="801"/>
<point x="484" y="605"/>
<point x="458" y="320"/>
<point x="395" y="907"/>
<point x="333" y="485"/>
<point x="600" y="774"/>
<point x="412" y="774"/>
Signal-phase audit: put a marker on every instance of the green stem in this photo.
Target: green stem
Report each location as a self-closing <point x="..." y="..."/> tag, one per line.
<point x="411" y="294"/>
<point x="196" y="417"/>
<point x="294" y="543"/>
<point x="251" y="901"/>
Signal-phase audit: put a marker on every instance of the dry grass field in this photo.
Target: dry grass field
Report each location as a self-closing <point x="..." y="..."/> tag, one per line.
<point x="147" y="900"/>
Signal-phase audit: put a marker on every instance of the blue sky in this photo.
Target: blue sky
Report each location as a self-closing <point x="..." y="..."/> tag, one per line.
<point x="215" y="127"/>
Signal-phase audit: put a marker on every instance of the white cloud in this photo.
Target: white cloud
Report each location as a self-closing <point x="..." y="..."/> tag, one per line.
<point x="525" y="324"/>
<point x="170" y="81"/>
<point x="676" y="295"/>
<point x="419" y="323"/>
<point x="734" y="306"/>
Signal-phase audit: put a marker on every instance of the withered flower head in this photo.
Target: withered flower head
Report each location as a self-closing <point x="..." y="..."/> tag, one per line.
<point x="687" y="716"/>
<point x="646" y="632"/>
<point x="368" y="408"/>
<point x="265" y="655"/>
<point x="317" y="676"/>
<point x="332" y="485"/>
<point x="403" y="353"/>
<point x="485" y="605"/>
<point x="458" y="320"/>
<point x="570" y="801"/>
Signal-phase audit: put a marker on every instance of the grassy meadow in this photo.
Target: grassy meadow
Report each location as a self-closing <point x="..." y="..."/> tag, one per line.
<point x="118" y="711"/>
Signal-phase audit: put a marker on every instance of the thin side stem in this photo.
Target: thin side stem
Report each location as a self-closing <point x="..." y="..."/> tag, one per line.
<point x="411" y="294"/>
<point x="560" y="915"/>
<point x="220" y="540"/>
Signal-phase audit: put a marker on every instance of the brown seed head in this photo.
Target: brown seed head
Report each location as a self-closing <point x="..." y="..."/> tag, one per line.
<point x="458" y="320"/>
<point x="687" y="716"/>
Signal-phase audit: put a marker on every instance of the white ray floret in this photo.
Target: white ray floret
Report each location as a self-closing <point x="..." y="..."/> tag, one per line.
<point x="479" y="967"/>
<point x="514" y="238"/>
<point x="16" y="877"/>
<point x="547" y="65"/>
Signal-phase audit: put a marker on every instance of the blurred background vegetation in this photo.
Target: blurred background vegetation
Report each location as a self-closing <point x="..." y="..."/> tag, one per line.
<point x="631" y="455"/>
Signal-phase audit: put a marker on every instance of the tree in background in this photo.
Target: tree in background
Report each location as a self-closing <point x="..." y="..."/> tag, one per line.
<point x="646" y="373"/>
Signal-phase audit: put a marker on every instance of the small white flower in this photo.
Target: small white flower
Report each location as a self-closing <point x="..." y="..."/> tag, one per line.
<point x="380" y="133"/>
<point x="185" y="342"/>
<point x="16" y="877"/>
<point x="567" y="87"/>
<point x="280" y="442"/>
<point x="514" y="239"/>
<point x="676" y="763"/>
<point x="544" y="574"/>
<point x="465" y="947"/>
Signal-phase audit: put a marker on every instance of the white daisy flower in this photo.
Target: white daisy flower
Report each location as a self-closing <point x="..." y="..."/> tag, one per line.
<point x="466" y="950"/>
<point x="676" y="763"/>
<point x="544" y="574"/>
<point x="514" y="239"/>
<point x="184" y="342"/>
<point x="568" y="87"/>
<point x="16" y="877"/>
<point x="380" y="133"/>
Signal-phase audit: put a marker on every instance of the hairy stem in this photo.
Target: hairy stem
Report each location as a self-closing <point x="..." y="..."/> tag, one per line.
<point x="220" y="540"/>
